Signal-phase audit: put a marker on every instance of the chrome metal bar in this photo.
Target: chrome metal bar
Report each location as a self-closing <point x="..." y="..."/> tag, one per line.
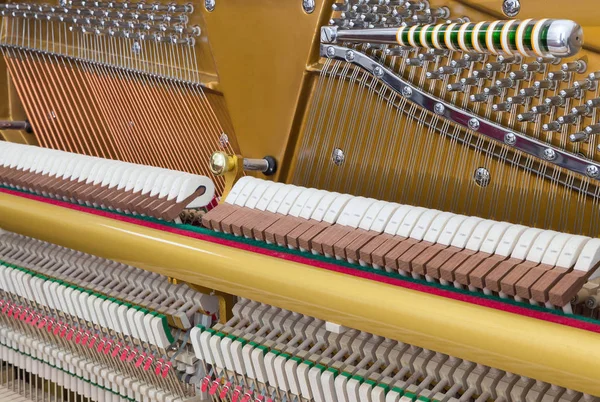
<point x="466" y="119"/>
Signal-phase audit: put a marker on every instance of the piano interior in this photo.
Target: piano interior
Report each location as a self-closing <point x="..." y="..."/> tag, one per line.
<point x="300" y="201"/>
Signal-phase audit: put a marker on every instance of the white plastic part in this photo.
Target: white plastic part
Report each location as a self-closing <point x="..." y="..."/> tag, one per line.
<point x="268" y="195"/>
<point x="354" y="211"/>
<point x="465" y="232"/>
<point x="371" y="215"/>
<point x="589" y="257"/>
<point x="397" y="218"/>
<point x="540" y="245"/>
<point x="335" y="208"/>
<point x="191" y="185"/>
<point x="237" y="189"/>
<point x="525" y="242"/>
<point x="572" y="251"/>
<point x="410" y="221"/>
<point x="510" y="240"/>
<point x="555" y="248"/>
<point x="424" y="223"/>
<point x="312" y="203"/>
<point x="245" y="191"/>
<point x="301" y="201"/>
<point x="277" y="200"/>
<point x="479" y="234"/>
<point x="451" y="229"/>
<point x="494" y="236"/>
<point x="257" y="194"/>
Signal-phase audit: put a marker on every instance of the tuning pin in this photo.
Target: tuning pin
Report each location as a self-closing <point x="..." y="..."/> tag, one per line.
<point x="401" y="13"/>
<point x="532" y="67"/>
<point x="592" y="129"/>
<point x="416" y="5"/>
<point x="517" y="75"/>
<point x="361" y="8"/>
<point x="549" y="60"/>
<point x="478" y="98"/>
<point x="529" y="92"/>
<point x="577" y="66"/>
<point x="553" y="126"/>
<point x="342" y="23"/>
<point x="469" y="81"/>
<point x="480" y="74"/>
<point x="505" y="83"/>
<point x="414" y="62"/>
<point x="448" y="70"/>
<point x="502" y="59"/>
<point x="382" y="10"/>
<point x="369" y="17"/>
<point x="433" y="75"/>
<point x="341" y="6"/>
<point x="422" y="18"/>
<point x="502" y="107"/>
<point x="427" y="56"/>
<point x="544" y="84"/>
<point x="570" y="93"/>
<point x="492" y="91"/>
<point x="581" y="110"/>
<point x="558" y="76"/>
<point x="438" y="52"/>
<point x="593" y="103"/>
<point x="495" y="66"/>
<point x="516" y="100"/>
<point x="584" y="85"/>
<point x="349" y="15"/>
<point x="397" y="51"/>
<point x="540" y="109"/>
<point x="441" y="12"/>
<point x="473" y="57"/>
<point x="580" y="136"/>
<point x="595" y="76"/>
<point x="459" y="64"/>
<point x="570" y="118"/>
<point x="527" y="116"/>
<point x="554" y="101"/>
<point x="456" y="87"/>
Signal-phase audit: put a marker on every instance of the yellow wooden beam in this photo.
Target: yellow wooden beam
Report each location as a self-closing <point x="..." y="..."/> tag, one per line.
<point x="542" y="350"/>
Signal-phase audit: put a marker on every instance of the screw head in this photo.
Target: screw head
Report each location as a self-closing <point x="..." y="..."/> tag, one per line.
<point x="209" y="5"/>
<point x="474" y="123"/>
<point x="510" y="139"/>
<point x="439" y="108"/>
<point x="308" y="6"/>
<point x="549" y="154"/>
<point x="223" y="140"/>
<point x="136" y="48"/>
<point x="349" y="55"/>
<point x="338" y="157"/>
<point x="330" y="52"/>
<point x="407" y="91"/>
<point x="511" y="8"/>
<point x="482" y="177"/>
<point x="592" y="171"/>
<point x="378" y="71"/>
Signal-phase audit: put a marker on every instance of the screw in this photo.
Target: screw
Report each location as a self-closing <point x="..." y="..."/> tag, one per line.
<point x="474" y="124"/>
<point x="209" y="5"/>
<point x="439" y="108"/>
<point x="330" y="52"/>
<point x="482" y="177"/>
<point x="349" y="55"/>
<point x="407" y="91"/>
<point x="510" y="139"/>
<point x="549" y="154"/>
<point x="136" y="48"/>
<point x="511" y="8"/>
<point x="338" y="156"/>
<point x="223" y="140"/>
<point x="592" y="171"/>
<point x="378" y="71"/>
<point x="308" y="6"/>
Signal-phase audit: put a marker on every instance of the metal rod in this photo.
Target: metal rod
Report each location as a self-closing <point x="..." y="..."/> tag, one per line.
<point x="15" y="125"/>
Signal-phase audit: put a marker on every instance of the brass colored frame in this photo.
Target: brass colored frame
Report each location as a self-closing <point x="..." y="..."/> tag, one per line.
<point x="538" y="349"/>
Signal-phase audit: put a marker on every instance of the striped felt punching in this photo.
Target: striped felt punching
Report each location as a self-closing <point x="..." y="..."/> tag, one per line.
<point x="527" y="38"/>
